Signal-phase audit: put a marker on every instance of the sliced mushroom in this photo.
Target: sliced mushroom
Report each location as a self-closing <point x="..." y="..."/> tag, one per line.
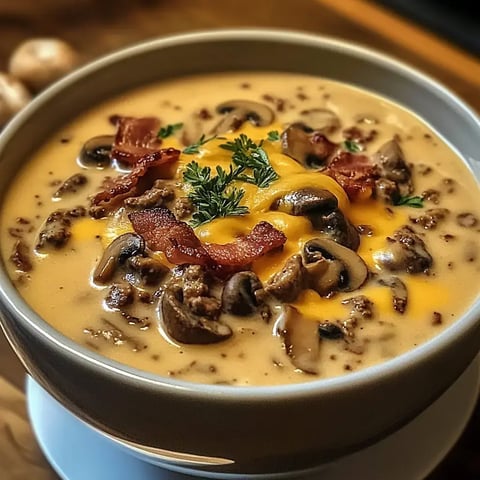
<point x="337" y="227"/>
<point x="301" y="338"/>
<point x="325" y="276"/>
<point x="287" y="284"/>
<point x="117" y="253"/>
<point x="392" y="166"/>
<point x="186" y="327"/>
<point x="306" y="201"/>
<point x="399" y="292"/>
<point x="405" y="251"/>
<point x="236" y="112"/>
<point x="344" y="270"/>
<point x="330" y="331"/>
<point x="320" y="120"/>
<point x="310" y="149"/>
<point x="239" y="294"/>
<point x="95" y="152"/>
<point x="321" y="207"/>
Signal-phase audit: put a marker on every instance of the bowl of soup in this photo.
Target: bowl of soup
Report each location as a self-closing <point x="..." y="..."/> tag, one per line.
<point x="241" y="252"/>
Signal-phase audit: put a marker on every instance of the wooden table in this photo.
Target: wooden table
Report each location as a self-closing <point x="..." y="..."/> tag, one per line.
<point x="99" y="27"/>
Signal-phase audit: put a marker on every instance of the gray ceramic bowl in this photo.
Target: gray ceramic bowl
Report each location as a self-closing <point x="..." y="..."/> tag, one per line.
<point x="222" y="429"/>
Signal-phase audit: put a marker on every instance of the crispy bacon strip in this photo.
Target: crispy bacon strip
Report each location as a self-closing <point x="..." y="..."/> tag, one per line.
<point x="263" y="238"/>
<point x="135" y="138"/>
<point x="163" y="232"/>
<point x="124" y="186"/>
<point x="355" y="173"/>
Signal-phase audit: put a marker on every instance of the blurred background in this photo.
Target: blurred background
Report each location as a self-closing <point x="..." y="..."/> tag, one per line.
<point x="409" y="30"/>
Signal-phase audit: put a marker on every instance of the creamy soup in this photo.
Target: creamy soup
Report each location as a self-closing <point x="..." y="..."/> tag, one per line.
<point x="245" y="229"/>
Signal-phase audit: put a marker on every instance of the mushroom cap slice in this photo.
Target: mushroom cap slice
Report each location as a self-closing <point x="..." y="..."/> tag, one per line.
<point x="302" y="342"/>
<point x="326" y="276"/>
<point x="320" y="120"/>
<point x="310" y="149"/>
<point x="238" y="296"/>
<point x="321" y="208"/>
<point x="347" y="265"/>
<point x="96" y="152"/>
<point x="236" y="112"/>
<point x="287" y="284"/>
<point x="336" y="225"/>
<point x="117" y="253"/>
<point x="306" y="201"/>
<point x="186" y="327"/>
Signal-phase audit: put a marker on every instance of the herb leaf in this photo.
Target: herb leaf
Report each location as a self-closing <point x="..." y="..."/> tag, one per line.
<point x="415" y="202"/>
<point x="170" y="129"/>
<point x="248" y="155"/>
<point x="273" y="136"/>
<point x="195" y="147"/>
<point x="213" y="196"/>
<point x="352" y="146"/>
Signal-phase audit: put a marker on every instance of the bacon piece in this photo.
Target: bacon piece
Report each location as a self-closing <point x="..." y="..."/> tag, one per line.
<point x="124" y="186"/>
<point x="135" y="138"/>
<point x="263" y="238"/>
<point x="355" y="173"/>
<point x="163" y="232"/>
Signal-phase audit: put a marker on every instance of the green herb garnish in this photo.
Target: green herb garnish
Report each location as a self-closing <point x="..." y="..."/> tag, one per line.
<point x="248" y="155"/>
<point x="415" y="202"/>
<point x="213" y="196"/>
<point x="273" y="136"/>
<point x="170" y="129"/>
<point x="351" y="146"/>
<point x="195" y="147"/>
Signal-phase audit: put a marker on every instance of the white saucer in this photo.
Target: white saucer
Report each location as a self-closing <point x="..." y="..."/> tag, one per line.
<point x="78" y="452"/>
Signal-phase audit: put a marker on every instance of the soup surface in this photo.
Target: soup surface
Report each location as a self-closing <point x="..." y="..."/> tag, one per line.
<point x="245" y="229"/>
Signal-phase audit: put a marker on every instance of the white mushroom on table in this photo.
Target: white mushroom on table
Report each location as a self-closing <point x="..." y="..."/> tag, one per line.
<point x="32" y="66"/>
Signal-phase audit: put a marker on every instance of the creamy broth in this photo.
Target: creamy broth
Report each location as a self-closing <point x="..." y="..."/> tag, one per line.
<point x="60" y="286"/>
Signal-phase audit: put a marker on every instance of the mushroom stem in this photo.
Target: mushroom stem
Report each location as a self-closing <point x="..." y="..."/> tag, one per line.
<point x="301" y="338"/>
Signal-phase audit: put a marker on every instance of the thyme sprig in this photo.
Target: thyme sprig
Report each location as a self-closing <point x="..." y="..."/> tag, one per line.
<point x="169" y="130"/>
<point x="352" y="146"/>
<point x="415" y="202"/>
<point x="273" y="136"/>
<point x="247" y="154"/>
<point x="213" y="196"/>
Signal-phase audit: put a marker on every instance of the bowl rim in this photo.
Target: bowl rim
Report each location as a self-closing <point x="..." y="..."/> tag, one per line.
<point x="10" y="297"/>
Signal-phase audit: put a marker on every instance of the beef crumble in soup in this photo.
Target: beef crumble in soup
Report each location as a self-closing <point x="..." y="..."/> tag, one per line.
<point x="245" y="229"/>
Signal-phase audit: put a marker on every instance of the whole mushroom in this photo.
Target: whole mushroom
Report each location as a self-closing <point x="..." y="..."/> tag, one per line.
<point x="13" y="97"/>
<point x="40" y="61"/>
